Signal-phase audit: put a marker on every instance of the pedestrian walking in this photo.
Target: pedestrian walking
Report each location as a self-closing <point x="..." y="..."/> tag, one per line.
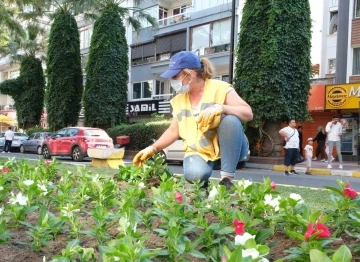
<point x="320" y="149"/>
<point x="334" y="132"/>
<point x="308" y="155"/>
<point x="207" y="115"/>
<point x="291" y="136"/>
<point x="9" y="136"/>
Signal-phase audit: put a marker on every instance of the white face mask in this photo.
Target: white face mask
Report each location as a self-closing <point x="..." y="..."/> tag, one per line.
<point x="178" y="86"/>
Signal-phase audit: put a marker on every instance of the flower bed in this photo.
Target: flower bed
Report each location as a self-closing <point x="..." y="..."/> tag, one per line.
<point x="147" y="214"/>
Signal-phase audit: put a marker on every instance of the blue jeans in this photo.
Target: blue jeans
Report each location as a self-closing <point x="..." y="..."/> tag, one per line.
<point x="233" y="146"/>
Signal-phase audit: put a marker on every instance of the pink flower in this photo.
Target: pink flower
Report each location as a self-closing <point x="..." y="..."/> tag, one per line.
<point x="273" y="185"/>
<point x="321" y="229"/>
<point x="47" y="163"/>
<point x="5" y="169"/>
<point x="349" y="191"/>
<point x="239" y="227"/>
<point x="178" y="197"/>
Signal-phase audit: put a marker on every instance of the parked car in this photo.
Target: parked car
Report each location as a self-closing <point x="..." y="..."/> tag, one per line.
<point x="18" y="139"/>
<point x="34" y="142"/>
<point x="74" y="142"/>
<point x="175" y="152"/>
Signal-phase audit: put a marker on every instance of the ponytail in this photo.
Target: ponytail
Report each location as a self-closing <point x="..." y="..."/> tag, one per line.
<point x="207" y="70"/>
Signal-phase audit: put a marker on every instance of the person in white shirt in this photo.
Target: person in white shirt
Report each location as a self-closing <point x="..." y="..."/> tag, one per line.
<point x="308" y="155"/>
<point x="291" y="136"/>
<point x="9" y="136"/>
<point x="334" y="131"/>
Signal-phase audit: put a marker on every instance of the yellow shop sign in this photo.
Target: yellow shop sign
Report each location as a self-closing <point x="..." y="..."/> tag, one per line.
<point x="346" y="96"/>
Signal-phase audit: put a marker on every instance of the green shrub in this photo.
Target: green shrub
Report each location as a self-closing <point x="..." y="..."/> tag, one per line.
<point x="35" y="129"/>
<point x="140" y="133"/>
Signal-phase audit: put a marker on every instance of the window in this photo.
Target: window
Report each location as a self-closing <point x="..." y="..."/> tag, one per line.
<point x="204" y="4"/>
<point x="225" y="78"/>
<point x="31" y="136"/>
<point x="85" y="37"/>
<point x="72" y="132"/>
<point x="37" y="136"/>
<point x="160" y="88"/>
<point x="356" y="61"/>
<point x="163" y="57"/>
<point x="182" y="9"/>
<point x="333" y="22"/>
<point x="211" y="38"/>
<point x="142" y="90"/>
<point x="163" y="13"/>
<point x="332" y="66"/>
<point x="357" y="8"/>
<point x="181" y="13"/>
<point x="61" y="133"/>
<point x="137" y="61"/>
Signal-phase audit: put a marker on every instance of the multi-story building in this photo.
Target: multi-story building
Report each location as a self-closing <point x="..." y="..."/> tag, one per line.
<point x="200" y="26"/>
<point x="341" y="41"/>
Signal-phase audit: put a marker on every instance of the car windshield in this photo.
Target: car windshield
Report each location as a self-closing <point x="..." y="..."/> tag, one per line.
<point x="95" y="132"/>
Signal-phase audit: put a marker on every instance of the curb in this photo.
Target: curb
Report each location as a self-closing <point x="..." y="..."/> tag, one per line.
<point x="322" y="171"/>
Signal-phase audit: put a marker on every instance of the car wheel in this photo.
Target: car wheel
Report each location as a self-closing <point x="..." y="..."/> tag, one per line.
<point x="76" y="154"/>
<point x="46" y="152"/>
<point x="39" y="150"/>
<point x="22" y="149"/>
<point x="162" y="154"/>
<point x="241" y="165"/>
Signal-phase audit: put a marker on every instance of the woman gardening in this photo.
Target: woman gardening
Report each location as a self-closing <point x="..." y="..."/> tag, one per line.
<point x="207" y="116"/>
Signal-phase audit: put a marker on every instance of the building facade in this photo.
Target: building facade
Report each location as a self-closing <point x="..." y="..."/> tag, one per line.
<point x="200" y="26"/>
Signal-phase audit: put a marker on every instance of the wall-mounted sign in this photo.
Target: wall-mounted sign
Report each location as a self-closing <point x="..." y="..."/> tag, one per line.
<point x="345" y="96"/>
<point x="316" y="99"/>
<point x="142" y="107"/>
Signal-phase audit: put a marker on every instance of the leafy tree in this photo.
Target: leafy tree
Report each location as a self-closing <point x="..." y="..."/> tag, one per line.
<point x="65" y="83"/>
<point x="28" y="89"/>
<point x="273" y="65"/>
<point x="105" y="93"/>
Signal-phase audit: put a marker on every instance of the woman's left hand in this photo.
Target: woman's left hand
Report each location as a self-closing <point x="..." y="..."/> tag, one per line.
<point x="208" y="115"/>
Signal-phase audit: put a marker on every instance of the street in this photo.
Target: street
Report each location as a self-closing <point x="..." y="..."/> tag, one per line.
<point x="253" y="174"/>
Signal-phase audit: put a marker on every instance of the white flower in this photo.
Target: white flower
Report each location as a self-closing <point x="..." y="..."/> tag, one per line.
<point x="1" y="210"/>
<point x="208" y="206"/>
<point x="69" y="172"/>
<point x="241" y="239"/>
<point x="1" y="167"/>
<point x="251" y="252"/>
<point x="297" y="197"/>
<point x="28" y="182"/>
<point x="43" y="188"/>
<point x="246" y="183"/>
<point x="272" y="202"/>
<point x="96" y="178"/>
<point x="116" y="258"/>
<point x="263" y="260"/>
<point x="44" y="259"/>
<point x="213" y="193"/>
<point x="141" y="185"/>
<point x="1" y="188"/>
<point x="67" y="211"/>
<point x="134" y="229"/>
<point x="20" y="199"/>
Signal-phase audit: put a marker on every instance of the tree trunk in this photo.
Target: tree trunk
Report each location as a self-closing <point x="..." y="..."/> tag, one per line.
<point x="271" y="139"/>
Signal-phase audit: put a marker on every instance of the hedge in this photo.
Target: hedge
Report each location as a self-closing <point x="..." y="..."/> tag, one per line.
<point x="140" y="133"/>
<point x="35" y="129"/>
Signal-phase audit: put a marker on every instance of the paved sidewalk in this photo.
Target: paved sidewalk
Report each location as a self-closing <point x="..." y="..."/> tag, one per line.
<point x="351" y="169"/>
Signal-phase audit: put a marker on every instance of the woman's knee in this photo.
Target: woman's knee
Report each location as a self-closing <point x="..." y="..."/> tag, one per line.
<point x="196" y="169"/>
<point x="230" y="122"/>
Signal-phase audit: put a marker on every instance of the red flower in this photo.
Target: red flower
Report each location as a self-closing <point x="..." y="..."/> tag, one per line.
<point x="321" y="229"/>
<point x="47" y="163"/>
<point x="309" y="232"/>
<point x="239" y="227"/>
<point x="349" y="191"/>
<point x="273" y="185"/>
<point x="178" y="197"/>
<point x="5" y="169"/>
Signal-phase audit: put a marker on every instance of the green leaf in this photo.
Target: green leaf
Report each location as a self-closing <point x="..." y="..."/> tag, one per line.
<point x="73" y="243"/>
<point x="263" y="234"/>
<point x="236" y="256"/>
<point x="250" y="243"/>
<point x="335" y="190"/>
<point x="318" y="256"/>
<point x="197" y="254"/>
<point x="60" y="259"/>
<point x="88" y="253"/>
<point x="343" y="254"/>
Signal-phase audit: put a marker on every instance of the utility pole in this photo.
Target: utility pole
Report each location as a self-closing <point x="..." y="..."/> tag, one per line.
<point x="232" y="44"/>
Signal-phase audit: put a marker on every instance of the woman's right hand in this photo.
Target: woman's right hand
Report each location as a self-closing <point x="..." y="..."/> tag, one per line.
<point x="144" y="155"/>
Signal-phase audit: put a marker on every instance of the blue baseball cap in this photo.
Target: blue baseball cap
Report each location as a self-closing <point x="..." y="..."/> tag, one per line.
<point x="180" y="61"/>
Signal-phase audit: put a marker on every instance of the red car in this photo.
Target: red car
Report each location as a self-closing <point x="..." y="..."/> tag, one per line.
<point x="74" y="142"/>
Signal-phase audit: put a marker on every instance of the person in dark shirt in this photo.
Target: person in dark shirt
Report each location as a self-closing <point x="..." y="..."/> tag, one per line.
<point x="320" y="139"/>
<point x="300" y="140"/>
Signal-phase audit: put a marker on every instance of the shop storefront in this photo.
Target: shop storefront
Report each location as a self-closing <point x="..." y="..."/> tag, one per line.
<point x="344" y="100"/>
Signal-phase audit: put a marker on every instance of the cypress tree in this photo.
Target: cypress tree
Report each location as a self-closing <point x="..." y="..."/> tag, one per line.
<point x="64" y="75"/>
<point x="105" y="95"/>
<point x="273" y="65"/>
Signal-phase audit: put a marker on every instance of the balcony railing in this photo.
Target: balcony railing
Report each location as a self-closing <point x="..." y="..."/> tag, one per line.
<point x="175" y="19"/>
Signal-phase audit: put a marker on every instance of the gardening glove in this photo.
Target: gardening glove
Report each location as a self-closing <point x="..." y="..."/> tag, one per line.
<point x="207" y="119"/>
<point x="144" y="155"/>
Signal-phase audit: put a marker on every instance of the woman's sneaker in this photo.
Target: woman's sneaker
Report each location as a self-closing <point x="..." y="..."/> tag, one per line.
<point x="323" y="160"/>
<point x="286" y="173"/>
<point x="308" y="173"/>
<point x="227" y="183"/>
